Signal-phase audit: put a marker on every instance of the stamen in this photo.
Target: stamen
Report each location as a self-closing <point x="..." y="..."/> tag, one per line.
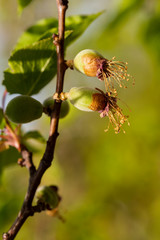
<point x="112" y="71"/>
<point x="114" y="113"/>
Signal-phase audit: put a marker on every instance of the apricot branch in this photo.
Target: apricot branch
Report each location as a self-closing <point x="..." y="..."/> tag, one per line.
<point x="35" y="178"/>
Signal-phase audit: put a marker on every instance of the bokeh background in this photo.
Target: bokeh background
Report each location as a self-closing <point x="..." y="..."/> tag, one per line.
<point x="110" y="184"/>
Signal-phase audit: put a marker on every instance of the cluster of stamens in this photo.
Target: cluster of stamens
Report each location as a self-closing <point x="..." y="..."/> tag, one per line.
<point x="113" y="112"/>
<point x="111" y="71"/>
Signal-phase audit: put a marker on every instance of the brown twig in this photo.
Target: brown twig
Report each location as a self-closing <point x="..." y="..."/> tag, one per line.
<point x="26" y="160"/>
<point x="36" y="175"/>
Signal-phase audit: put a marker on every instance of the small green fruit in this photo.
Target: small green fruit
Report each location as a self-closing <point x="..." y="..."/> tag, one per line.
<point x="49" y="105"/>
<point x="87" y="99"/>
<point x="64" y="109"/>
<point x="87" y="62"/>
<point x="93" y="64"/>
<point x="23" y="109"/>
<point x="48" y="195"/>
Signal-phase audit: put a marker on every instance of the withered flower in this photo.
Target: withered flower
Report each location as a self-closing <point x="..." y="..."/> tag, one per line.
<point x="111" y="71"/>
<point x="95" y="100"/>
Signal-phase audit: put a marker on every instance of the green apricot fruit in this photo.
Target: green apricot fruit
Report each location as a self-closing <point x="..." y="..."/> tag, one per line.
<point x="93" y="64"/>
<point x="64" y="109"/>
<point x="87" y="99"/>
<point x="23" y="109"/>
<point x="48" y="195"/>
<point x="49" y="105"/>
<point x="87" y="62"/>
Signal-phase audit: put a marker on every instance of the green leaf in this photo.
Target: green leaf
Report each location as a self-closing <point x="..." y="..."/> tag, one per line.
<point x="79" y="24"/>
<point x="8" y="157"/>
<point x="34" y="135"/>
<point x="37" y="32"/>
<point x="34" y="64"/>
<point x="22" y="4"/>
<point x="46" y="27"/>
<point x="2" y="120"/>
<point x="31" y="68"/>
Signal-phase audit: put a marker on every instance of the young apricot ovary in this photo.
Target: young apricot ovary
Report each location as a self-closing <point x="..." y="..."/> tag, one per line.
<point x="48" y="195"/>
<point x="48" y="104"/>
<point x="86" y="99"/>
<point x="23" y="109"/>
<point x="86" y="61"/>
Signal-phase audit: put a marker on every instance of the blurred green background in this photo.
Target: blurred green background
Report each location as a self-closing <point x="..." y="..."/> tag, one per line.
<point x="110" y="184"/>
